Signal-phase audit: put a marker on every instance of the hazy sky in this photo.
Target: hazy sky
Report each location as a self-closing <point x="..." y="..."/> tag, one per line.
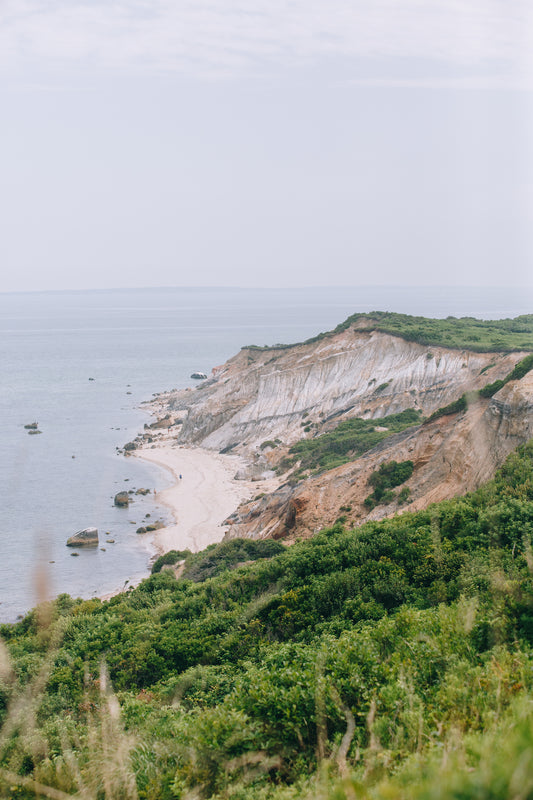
<point x="265" y="143"/>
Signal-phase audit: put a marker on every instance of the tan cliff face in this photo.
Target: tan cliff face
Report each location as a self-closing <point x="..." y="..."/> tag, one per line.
<point x="264" y="394"/>
<point x="452" y="455"/>
<point x="287" y="394"/>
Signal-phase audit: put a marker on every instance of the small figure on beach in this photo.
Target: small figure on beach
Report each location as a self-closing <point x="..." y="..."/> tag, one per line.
<point x="181" y="476"/>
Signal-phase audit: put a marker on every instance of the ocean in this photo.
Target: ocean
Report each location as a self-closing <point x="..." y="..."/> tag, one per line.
<point x="82" y="363"/>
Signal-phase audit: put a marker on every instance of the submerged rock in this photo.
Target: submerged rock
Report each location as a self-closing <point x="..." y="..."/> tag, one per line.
<point x="122" y="499"/>
<point x="88" y="537"/>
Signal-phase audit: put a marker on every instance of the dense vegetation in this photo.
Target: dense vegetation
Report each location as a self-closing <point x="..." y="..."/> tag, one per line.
<point x="464" y="333"/>
<point x="501" y="335"/>
<point x="389" y="475"/>
<point x="350" y="439"/>
<point x="390" y="661"/>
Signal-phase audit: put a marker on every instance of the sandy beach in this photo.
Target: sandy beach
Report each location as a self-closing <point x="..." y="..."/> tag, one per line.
<point x="205" y="495"/>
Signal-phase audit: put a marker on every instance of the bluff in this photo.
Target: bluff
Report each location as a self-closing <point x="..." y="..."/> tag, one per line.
<point x="264" y="402"/>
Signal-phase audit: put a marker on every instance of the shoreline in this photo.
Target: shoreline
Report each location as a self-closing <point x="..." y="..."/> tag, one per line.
<point x="199" y="501"/>
<point x="205" y="495"/>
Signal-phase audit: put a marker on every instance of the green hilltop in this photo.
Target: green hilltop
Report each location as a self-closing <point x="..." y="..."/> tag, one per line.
<point x="459" y="333"/>
<point x="468" y="333"/>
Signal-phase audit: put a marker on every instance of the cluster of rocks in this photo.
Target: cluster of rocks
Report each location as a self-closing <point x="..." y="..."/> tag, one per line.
<point x="151" y="527"/>
<point x="32" y="428"/>
<point x="254" y="472"/>
<point x="152" y="432"/>
<point x="124" y="498"/>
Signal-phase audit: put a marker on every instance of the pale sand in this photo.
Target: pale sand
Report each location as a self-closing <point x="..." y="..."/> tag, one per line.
<point x="204" y="497"/>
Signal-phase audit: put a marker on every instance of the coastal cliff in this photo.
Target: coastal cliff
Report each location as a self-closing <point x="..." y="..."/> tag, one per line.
<point x="264" y="401"/>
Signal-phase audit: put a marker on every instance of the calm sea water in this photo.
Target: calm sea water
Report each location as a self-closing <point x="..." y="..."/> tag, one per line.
<point x="134" y="343"/>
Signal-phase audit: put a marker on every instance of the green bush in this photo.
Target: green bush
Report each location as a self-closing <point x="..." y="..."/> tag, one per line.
<point x="452" y="408"/>
<point x="172" y="557"/>
<point x="228" y="554"/>
<point x="389" y="475"/>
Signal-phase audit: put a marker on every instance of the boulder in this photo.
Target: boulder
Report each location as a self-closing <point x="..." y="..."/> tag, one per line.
<point x="163" y="422"/>
<point x="199" y="376"/>
<point x="143" y="491"/>
<point x="122" y="499"/>
<point x="130" y="446"/>
<point x="88" y="537"/>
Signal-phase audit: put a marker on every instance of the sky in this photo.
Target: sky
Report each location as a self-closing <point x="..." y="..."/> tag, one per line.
<point x="265" y="143"/>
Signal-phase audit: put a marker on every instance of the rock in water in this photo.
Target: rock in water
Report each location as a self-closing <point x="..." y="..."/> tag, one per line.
<point x="88" y="537"/>
<point x="199" y="376"/>
<point x="31" y="426"/>
<point x="122" y="499"/>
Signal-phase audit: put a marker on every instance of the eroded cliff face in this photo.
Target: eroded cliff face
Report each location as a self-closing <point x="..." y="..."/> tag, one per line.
<point x="287" y="394"/>
<point x="451" y="456"/>
<point x="264" y="394"/>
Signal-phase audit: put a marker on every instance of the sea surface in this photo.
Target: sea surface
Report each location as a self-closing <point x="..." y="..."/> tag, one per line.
<point x="133" y="343"/>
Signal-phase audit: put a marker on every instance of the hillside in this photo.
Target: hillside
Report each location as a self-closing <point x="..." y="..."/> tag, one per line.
<point x="323" y="415"/>
<point x="391" y="660"/>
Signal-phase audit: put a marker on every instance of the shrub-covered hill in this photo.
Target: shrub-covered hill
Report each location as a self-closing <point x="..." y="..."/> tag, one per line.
<point x="468" y="333"/>
<point x="463" y="333"/>
<point x="396" y="659"/>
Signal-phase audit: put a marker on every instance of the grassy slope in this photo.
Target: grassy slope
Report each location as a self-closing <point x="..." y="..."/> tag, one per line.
<point x="349" y="440"/>
<point x="403" y="638"/>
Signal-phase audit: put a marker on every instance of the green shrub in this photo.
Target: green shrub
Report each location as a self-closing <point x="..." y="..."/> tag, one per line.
<point x="172" y="557"/>
<point x="268" y="443"/>
<point x="389" y="475"/>
<point x="226" y="555"/>
<point x="452" y="408"/>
